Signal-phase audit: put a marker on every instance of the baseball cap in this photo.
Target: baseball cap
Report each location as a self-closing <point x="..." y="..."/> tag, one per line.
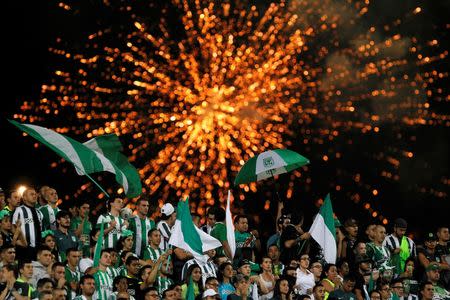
<point x="209" y="292"/>
<point x="433" y="267"/>
<point x="400" y="223"/>
<point x="167" y="209"/>
<point x="350" y="222"/>
<point x="243" y="262"/>
<point x="430" y="236"/>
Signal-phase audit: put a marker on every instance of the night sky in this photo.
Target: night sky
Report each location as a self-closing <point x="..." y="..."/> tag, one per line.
<point x="28" y="64"/>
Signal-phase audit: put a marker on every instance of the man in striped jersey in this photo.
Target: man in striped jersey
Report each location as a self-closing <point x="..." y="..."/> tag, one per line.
<point x="87" y="288"/>
<point x="114" y="224"/>
<point x="140" y="225"/>
<point x="30" y="220"/>
<point x="400" y="246"/>
<point x="168" y="218"/>
<point x="152" y="252"/>
<point x="209" y="269"/>
<point x="103" y="282"/>
<point x="72" y="271"/>
<point x="49" y="210"/>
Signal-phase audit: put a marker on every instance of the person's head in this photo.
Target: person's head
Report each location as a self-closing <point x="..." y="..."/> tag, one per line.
<point x="195" y="271"/>
<point x="397" y="287"/>
<point x="178" y="290"/>
<point x="380" y="233"/>
<point x="273" y="252"/>
<point x="241" y="283"/>
<point x="343" y="267"/>
<point x="132" y="265"/>
<point x="400" y="226"/>
<point x="50" y="196"/>
<point x="10" y="272"/>
<point x="426" y="290"/>
<point x="124" y="255"/>
<point x="290" y="272"/>
<point x="13" y="199"/>
<point x="30" y="197"/>
<point x="59" y="294"/>
<point x="375" y="295"/>
<point x="142" y="206"/>
<point x="211" y="253"/>
<point x="167" y="267"/>
<point x="281" y="287"/>
<point x="211" y="217"/>
<point x="430" y="240"/>
<point x="225" y="271"/>
<point x="241" y="223"/>
<point x="244" y="267"/>
<point x="370" y="231"/>
<point x="210" y="294"/>
<point x="63" y="219"/>
<point x="144" y="272"/>
<point x="212" y="283"/>
<point x="154" y="237"/>
<point x="44" y="255"/>
<point x="360" y="248"/>
<point x="348" y="283"/>
<point x="304" y="261"/>
<point x="73" y="256"/>
<point x="5" y="221"/>
<point x="25" y="268"/>
<point x="443" y="234"/>
<point x="45" y="295"/>
<point x="330" y="271"/>
<point x="168" y="213"/>
<point x="432" y="271"/>
<point x="410" y="265"/>
<point x="105" y="258"/>
<point x="351" y="227"/>
<point x="87" y="285"/>
<point x="169" y="294"/>
<point x="84" y="207"/>
<point x="150" y="293"/>
<point x="49" y="239"/>
<point x="318" y="292"/>
<point x="126" y="240"/>
<point x="116" y="205"/>
<point x="364" y="263"/>
<point x="219" y="214"/>
<point x="8" y="254"/>
<point x="385" y="290"/>
<point x="45" y="284"/>
<point x="114" y="256"/>
<point x="266" y="263"/>
<point x="316" y="269"/>
<point x="120" y="284"/>
<point x="58" y="271"/>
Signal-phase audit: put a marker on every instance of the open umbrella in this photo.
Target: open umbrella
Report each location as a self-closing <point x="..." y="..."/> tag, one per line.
<point x="268" y="164"/>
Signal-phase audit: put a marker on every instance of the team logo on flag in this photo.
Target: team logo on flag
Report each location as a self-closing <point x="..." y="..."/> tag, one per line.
<point x="268" y="162"/>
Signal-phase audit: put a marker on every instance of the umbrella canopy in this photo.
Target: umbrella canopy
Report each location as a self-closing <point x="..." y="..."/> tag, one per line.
<point x="269" y="164"/>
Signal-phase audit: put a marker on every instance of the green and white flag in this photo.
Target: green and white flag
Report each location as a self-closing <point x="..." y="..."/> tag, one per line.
<point x="324" y="232"/>
<point x="187" y="236"/>
<point x="85" y="159"/>
<point x="231" y="238"/>
<point x="99" y="245"/>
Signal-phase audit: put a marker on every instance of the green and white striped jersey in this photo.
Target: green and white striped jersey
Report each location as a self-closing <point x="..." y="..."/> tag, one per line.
<point x="48" y="217"/>
<point x="113" y="272"/>
<point x="140" y="228"/>
<point x="113" y="236"/>
<point x="103" y="285"/>
<point x="71" y="276"/>
<point x="163" y="284"/>
<point x="151" y="253"/>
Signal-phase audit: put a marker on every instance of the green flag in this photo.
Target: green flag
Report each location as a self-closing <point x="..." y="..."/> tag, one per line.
<point x="190" y="295"/>
<point x="99" y="245"/>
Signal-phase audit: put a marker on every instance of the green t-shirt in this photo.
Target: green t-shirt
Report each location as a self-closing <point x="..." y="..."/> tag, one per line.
<point x="219" y="232"/>
<point x="85" y="237"/>
<point x="242" y="239"/>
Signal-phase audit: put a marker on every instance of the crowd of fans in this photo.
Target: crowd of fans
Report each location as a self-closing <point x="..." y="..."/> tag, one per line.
<point x="47" y="252"/>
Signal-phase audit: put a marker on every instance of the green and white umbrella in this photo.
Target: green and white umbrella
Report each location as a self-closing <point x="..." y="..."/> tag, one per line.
<point x="268" y="164"/>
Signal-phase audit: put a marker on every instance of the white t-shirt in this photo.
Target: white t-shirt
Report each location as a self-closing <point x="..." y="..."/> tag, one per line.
<point x="304" y="281"/>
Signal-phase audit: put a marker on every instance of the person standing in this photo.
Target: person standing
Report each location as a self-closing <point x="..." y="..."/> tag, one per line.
<point x="140" y="225"/>
<point x="65" y="239"/>
<point x="12" y="201"/>
<point x="103" y="282"/>
<point x="379" y="254"/>
<point x="113" y="223"/>
<point x="30" y="222"/>
<point x="82" y="227"/>
<point x="49" y="211"/>
<point x="168" y="218"/>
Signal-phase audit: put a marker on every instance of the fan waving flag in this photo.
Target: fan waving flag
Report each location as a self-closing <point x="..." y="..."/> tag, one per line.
<point x="187" y="236"/>
<point x="324" y="232"/>
<point x="85" y="160"/>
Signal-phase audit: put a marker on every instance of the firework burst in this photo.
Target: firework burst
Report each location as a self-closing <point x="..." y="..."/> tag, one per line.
<point x="212" y="83"/>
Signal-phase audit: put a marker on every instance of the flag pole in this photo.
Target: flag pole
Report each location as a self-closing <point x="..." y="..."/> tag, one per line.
<point x="92" y="179"/>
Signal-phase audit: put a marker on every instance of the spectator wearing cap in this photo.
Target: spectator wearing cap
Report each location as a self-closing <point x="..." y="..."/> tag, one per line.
<point x="65" y="238"/>
<point x="400" y="246"/>
<point x="427" y="253"/>
<point x="30" y="220"/>
<point x="168" y="218"/>
<point x="377" y="252"/>
<point x="210" y="294"/>
<point x="363" y="267"/>
<point x="349" y="242"/>
<point x="113" y="223"/>
<point x="433" y="276"/>
<point x="49" y="210"/>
